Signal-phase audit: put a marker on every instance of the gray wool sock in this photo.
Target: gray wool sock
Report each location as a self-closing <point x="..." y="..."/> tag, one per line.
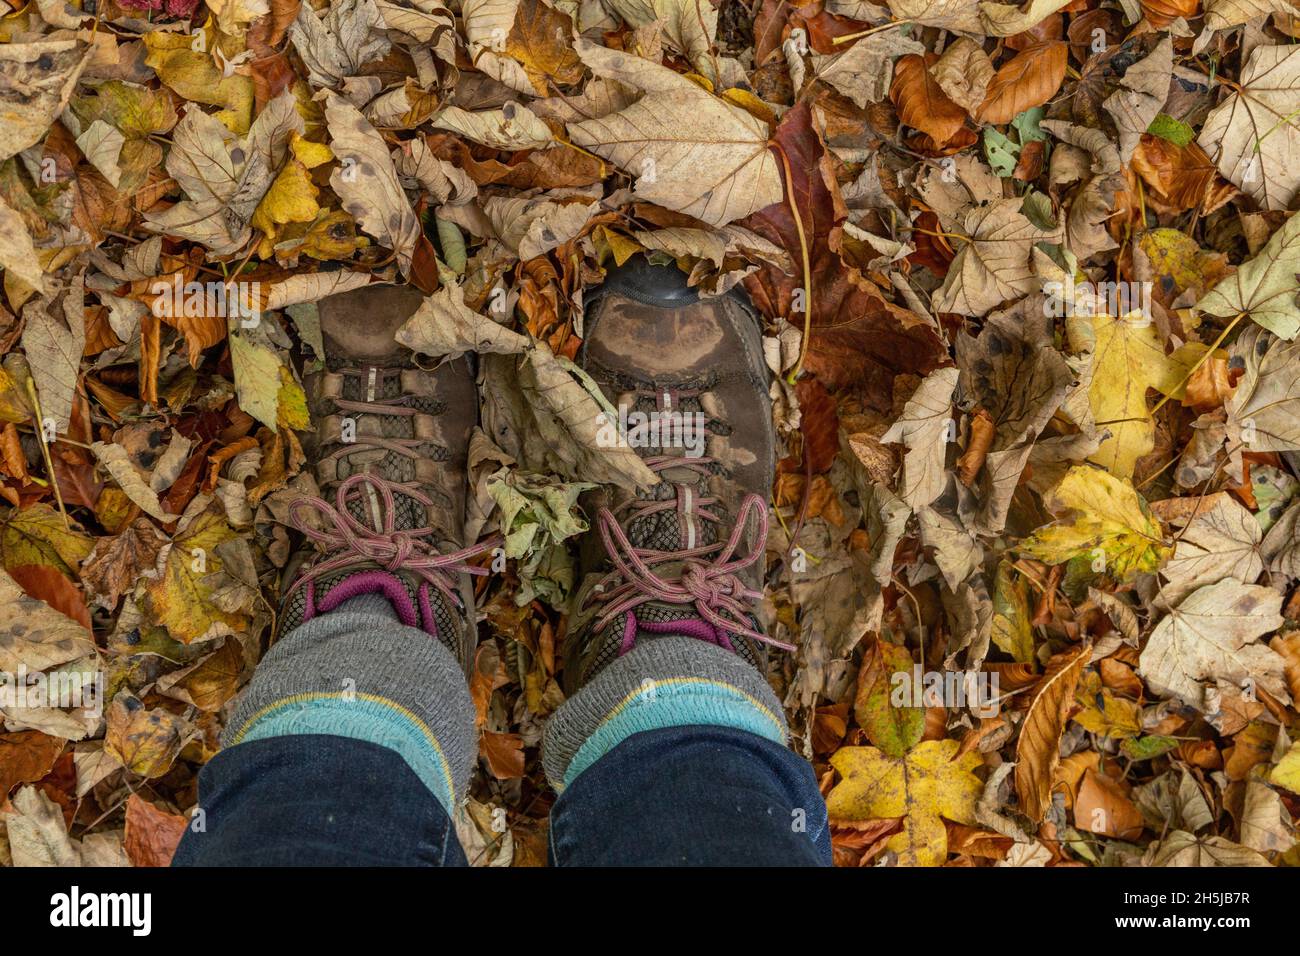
<point x="362" y="674"/>
<point x="667" y="681"/>
<point x="373" y="603"/>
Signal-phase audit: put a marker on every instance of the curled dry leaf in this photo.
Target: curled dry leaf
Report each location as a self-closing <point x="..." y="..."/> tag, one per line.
<point x="1038" y="748"/>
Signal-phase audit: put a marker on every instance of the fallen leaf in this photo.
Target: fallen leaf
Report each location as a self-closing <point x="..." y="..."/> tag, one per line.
<point x="1252" y="135"/>
<point x="1038" y="747"/>
<point x="929" y="784"/>
<point x="1028" y="79"/>
<point x="689" y="150"/>
<point x="925" y="427"/>
<point x="1265" y="287"/>
<point x="1213" y="634"/>
<point x="152" y="834"/>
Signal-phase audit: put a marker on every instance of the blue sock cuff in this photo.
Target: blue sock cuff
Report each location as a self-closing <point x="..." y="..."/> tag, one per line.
<point x="676" y="702"/>
<point x="360" y="717"/>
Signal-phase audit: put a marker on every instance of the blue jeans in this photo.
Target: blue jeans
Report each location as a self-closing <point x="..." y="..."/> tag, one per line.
<point x="679" y="796"/>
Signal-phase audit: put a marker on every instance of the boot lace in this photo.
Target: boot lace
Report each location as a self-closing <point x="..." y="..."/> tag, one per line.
<point x="706" y="577"/>
<point x="355" y="544"/>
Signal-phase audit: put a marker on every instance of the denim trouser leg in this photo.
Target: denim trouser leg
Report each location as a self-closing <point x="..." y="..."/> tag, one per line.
<point x="693" y="795"/>
<point x="316" y="800"/>
<point x="684" y="795"/>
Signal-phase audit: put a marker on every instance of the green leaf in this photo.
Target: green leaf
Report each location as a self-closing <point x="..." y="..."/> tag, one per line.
<point x="1026" y="125"/>
<point x="1145" y="748"/>
<point x="1001" y="152"/>
<point x="894" y="729"/>
<point x="538" y="513"/>
<point x="1175" y="131"/>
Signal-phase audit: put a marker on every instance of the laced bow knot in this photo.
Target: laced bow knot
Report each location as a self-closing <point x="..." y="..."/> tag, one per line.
<point x="353" y="543"/>
<point x="707" y="577"/>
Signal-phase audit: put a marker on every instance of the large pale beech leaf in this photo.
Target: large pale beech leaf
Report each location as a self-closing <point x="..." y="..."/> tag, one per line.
<point x="1254" y="135"/>
<point x="689" y="150"/>
<point x="1213" y="635"/>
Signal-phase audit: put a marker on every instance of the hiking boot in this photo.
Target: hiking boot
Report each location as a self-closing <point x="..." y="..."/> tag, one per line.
<point x="389" y="451"/>
<point x="684" y="557"/>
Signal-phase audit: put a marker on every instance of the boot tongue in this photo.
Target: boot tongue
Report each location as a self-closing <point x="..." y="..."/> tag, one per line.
<point x="368" y="508"/>
<point x="677" y="529"/>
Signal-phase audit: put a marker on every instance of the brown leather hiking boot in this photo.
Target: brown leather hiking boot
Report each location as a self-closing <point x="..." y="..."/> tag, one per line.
<point x="389" y="450"/>
<point x="691" y="389"/>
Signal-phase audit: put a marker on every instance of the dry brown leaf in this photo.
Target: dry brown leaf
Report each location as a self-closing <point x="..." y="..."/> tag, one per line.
<point x="1038" y="748"/>
<point x="922" y="103"/>
<point x="1028" y="79"/>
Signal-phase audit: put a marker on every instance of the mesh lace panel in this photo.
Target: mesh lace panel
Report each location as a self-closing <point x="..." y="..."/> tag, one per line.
<point x="665" y="531"/>
<point x="393" y="466"/>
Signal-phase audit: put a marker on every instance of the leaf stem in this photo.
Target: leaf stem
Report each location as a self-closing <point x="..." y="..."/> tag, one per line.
<point x="45" y="449"/>
<point x="866" y="33"/>
<point x="807" y="268"/>
<point x="1199" y="362"/>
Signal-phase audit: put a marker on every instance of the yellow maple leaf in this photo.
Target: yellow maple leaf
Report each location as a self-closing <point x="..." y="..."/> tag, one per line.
<point x="1108" y="523"/>
<point x="194" y="75"/>
<point x="1127" y="359"/>
<point x="183" y="598"/>
<point x="924" y="786"/>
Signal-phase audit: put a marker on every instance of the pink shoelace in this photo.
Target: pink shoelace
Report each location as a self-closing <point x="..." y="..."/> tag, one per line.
<point x="394" y="549"/>
<point x="708" y="579"/>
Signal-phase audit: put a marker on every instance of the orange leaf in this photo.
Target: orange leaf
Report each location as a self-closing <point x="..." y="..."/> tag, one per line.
<point x="1028" y="79"/>
<point x="922" y="103"/>
<point x="1038" y="750"/>
<point x="26" y="756"/>
<point x="48" y="584"/>
<point x="504" y="753"/>
<point x="151" y="834"/>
